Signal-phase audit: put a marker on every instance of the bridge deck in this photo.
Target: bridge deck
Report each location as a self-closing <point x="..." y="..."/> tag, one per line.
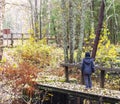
<point x="98" y="94"/>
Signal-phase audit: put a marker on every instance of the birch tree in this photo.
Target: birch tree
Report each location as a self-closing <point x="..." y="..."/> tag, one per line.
<point x="49" y="14"/>
<point x="40" y="19"/>
<point x="82" y="28"/>
<point x="92" y="14"/>
<point x="71" y="30"/>
<point x="2" y="9"/>
<point x="116" y="22"/>
<point x="34" y="17"/>
<point x="64" y="25"/>
<point x="32" y="14"/>
<point x="36" y="20"/>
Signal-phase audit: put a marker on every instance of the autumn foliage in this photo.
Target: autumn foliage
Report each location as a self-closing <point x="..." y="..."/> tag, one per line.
<point x="19" y="77"/>
<point x="37" y="53"/>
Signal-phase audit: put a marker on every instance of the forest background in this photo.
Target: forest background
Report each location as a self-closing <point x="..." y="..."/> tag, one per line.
<point x="73" y="24"/>
<point x="70" y="22"/>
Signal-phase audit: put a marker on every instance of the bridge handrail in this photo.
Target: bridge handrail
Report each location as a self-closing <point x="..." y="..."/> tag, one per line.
<point x="102" y="69"/>
<point x="78" y="65"/>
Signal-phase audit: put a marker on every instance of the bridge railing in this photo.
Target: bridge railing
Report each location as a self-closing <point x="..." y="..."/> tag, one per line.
<point x="15" y="39"/>
<point x="102" y="70"/>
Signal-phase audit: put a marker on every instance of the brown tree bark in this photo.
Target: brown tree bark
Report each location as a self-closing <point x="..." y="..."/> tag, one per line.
<point x="99" y="27"/>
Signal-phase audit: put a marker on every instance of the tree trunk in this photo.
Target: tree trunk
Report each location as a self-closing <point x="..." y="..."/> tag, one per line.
<point x="36" y="21"/>
<point x="71" y="31"/>
<point x="92" y="14"/>
<point x="116" y="24"/>
<point x="82" y="28"/>
<point x="98" y="30"/>
<point x="40" y="20"/>
<point x="49" y="14"/>
<point x="32" y="14"/>
<point x="2" y="10"/>
<point x="64" y="25"/>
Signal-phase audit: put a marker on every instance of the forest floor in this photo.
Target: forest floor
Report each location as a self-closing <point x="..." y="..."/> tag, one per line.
<point x="5" y="91"/>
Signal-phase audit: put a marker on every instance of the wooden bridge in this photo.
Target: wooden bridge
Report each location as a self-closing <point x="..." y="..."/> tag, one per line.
<point x="96" y="95"/>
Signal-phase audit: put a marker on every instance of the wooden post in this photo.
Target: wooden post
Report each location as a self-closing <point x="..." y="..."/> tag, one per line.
<point x="100" y="100"/>
<point x="66" y="74"/>
<point x="1" y="47"/>
<point x="12" y="39"/>
<point x="63" y="98"/>
<point x="59" y="98"/>
<point x="78" y="100"/>
<point x="102" y="78"/>
<point x="73" y="100"/>
<point x="7" y="40"/>
<point x="90" y="102"/>
<point x="22" y="38"/>
<point x="81" y="100"/>
<point x="82" y="78"/>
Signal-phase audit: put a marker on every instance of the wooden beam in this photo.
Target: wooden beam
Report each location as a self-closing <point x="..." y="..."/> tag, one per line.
<point x="97" y="67"/>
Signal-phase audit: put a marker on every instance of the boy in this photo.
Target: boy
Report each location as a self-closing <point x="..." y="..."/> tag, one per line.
<point x="87" y="69"/>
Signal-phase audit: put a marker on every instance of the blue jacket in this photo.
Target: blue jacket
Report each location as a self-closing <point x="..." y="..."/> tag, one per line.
<point x="88" y="65"/>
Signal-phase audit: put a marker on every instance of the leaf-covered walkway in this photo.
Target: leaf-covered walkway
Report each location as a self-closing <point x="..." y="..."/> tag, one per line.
<point x="98" y="94"/>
